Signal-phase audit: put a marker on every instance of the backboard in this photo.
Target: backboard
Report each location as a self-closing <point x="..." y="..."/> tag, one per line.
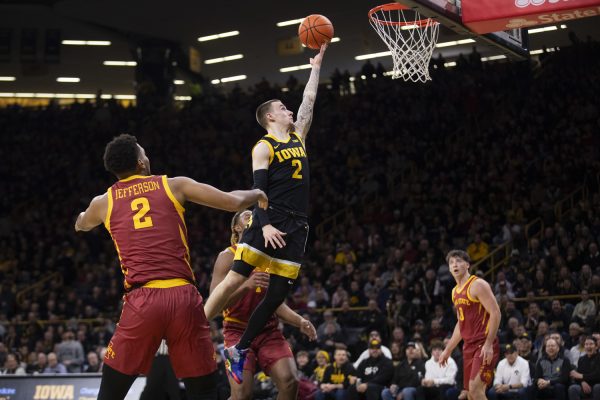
<point x="513" y="43"/>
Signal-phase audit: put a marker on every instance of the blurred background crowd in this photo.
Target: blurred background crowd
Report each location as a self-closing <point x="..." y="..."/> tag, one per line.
<point x="480" y="160"/>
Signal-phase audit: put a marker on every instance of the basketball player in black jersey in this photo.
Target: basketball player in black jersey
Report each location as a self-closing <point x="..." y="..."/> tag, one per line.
<point x="275" y="238"/>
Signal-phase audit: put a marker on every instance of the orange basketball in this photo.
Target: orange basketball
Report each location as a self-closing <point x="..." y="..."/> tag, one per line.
<point x="315" y="30"/>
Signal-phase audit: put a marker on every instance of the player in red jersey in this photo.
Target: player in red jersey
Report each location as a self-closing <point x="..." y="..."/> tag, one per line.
<point x="269" y="349"/>
<point x="478" y="320"/>
<point x="144" y="215"/>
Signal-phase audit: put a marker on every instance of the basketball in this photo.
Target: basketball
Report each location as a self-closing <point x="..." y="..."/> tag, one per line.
<point x="315" y="30"/>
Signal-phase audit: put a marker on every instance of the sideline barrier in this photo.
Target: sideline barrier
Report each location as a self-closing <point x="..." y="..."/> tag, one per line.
<point x="58" y="387"/>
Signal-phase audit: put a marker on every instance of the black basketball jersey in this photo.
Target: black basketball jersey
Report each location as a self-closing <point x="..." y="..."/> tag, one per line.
<point x="288" y="173"/>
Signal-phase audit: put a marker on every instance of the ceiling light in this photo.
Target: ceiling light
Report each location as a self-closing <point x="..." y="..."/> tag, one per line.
<point x="183" y="98"/>
<point x="218" y="36"/>
<point x="120" y="63"/>
<point x="86" y="42"/>
<point x="178" y="82"/>
<point x="544" y="29"/>
<point x="296" y="68"/>
<point x="373" y="55"/>
<point x="7" y="78"/>
<point x="67" y="79"/>
<point x="454" y="43"/>
<point x="540" y="51"/>
<point x="492" y="58"/>
<point x="290" y="22"/>
<point x="223" y="59"/>
<point x="450" y="64"/>
<point x="233" y="78"/>
<point x="228" y="79"/>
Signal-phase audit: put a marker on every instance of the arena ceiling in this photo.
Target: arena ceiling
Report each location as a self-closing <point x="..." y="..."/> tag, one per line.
<point x="181" y="22"/>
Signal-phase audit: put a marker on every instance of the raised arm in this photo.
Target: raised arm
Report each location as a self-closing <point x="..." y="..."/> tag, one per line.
<point x="94" y="215"/>
<point x="305" y="112"/>
<point x="481" y="291"/>
<point x="187" y="189"/>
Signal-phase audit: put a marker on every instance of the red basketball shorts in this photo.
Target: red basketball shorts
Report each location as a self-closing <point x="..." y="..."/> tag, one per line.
<point x="151" y="314"/>
<point x="267" y="348"/>
<point x="473" y="363"/>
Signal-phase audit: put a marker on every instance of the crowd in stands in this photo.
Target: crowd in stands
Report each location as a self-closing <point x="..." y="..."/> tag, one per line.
<point x="466" y="161"/>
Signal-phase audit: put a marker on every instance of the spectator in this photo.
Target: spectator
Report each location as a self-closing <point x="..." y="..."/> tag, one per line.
<point x="93" y="363"/>
<point x="328" y="318"/>
<point x="331" y="338"/>
<point x="557" y="318"/>
<point x="576" y="337"/>
<point x="551" y="373"/>
<point x="525" y="349"/>
<point x="54" y="367"/>
<point x="585" y="310"/>
<point x="534" y="316"/>
<point x="303" y="364"/>
<point x="336" y="377"/>
<point x="373" y="335"/>
<point x="42" y="363"/>
<point x="322" y="358"/>
<point x="587" y="374"/>
<point x="512" y="377"/>
<point x="11" y="366"/>
<point x="438" y="379"/>
<point x="373" y="318"/>
<point x="70" y="352"/>
<point x="407" y="376"/>
<point x="373" y="374"/>
<point x="478" y="249"/>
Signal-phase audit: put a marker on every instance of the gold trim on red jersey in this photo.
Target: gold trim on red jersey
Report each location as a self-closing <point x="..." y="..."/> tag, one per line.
<point x="109" y="209"/>
<point x="132" y="177"/>
<point x="166" y="283"/>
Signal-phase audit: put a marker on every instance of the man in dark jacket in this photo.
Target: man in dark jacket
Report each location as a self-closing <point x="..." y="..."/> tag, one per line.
<point x="407" y="376"/>
<point x="587" y="374"/>
<point x="551" y="373"/>
<point x="336" y="377"/>
<point x="373" y="374"/>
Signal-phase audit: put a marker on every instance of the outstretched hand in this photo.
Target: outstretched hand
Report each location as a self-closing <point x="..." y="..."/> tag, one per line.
<point x="308" y="329"/>
<point x="316" y="60"/>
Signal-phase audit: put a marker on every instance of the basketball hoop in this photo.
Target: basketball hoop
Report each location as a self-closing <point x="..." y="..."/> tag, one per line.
<point x="410" y="38"/>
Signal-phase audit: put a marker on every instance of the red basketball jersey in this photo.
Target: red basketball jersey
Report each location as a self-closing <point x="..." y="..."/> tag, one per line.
<point x="147" y="226"/>
<point x="472" y="317"/>
<point x="239" y="313"/>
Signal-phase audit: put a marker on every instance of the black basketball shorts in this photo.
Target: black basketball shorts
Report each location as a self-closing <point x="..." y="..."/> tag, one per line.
<point x="252" y="254"/>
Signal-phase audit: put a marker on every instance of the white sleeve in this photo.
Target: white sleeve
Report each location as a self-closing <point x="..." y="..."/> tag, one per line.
<point x="386" y="352"/>
<point x="364" y="355"/>
<point x="497" y="375"/>
<point x="428" y="368"/>
<point x="449" y="377"/>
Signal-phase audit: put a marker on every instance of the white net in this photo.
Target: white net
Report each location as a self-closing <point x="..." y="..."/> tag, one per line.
<point x="410" y="38"/>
